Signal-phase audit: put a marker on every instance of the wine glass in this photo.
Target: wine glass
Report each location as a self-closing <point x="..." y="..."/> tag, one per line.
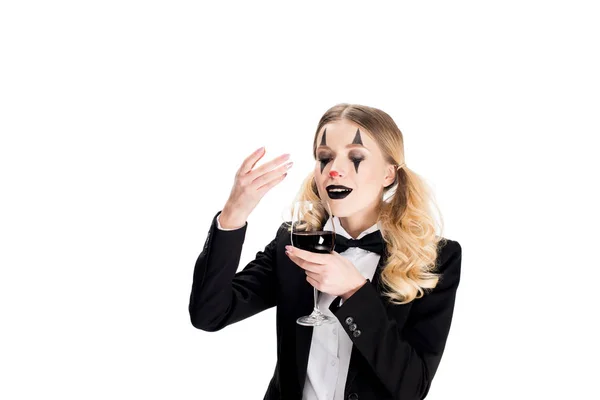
<point x="307" y="234"/>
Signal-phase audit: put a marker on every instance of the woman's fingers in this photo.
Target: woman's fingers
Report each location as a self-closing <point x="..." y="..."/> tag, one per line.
<point x="246" y="193"/>
<point x="268" y="166"/>
<point x="267" y="186"/>
<point x="264" y="177"/>
<point x="251" y="160"/>
<point x="273" y="175"/>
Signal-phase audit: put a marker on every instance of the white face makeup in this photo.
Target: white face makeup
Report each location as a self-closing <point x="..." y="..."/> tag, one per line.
<point x="349" y="159"/>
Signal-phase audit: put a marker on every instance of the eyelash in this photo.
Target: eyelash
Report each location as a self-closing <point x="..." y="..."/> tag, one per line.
<point x="353" y="159"/>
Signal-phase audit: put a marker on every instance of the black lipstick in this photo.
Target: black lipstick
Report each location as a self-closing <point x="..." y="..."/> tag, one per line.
<point x="339" y="193"/>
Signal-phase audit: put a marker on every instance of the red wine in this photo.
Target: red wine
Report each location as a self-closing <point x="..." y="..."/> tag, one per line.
<point x="314" y="241"/>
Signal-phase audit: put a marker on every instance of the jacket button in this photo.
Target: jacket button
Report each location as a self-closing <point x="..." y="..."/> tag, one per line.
<point x="352" y="396"/>
<point x="352" y="327"/>
<point x="356" y="333"/>
<point x="349" y="320"/>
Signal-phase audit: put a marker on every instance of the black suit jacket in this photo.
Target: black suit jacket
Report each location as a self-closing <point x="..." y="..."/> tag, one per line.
<point x="396" y="353"/>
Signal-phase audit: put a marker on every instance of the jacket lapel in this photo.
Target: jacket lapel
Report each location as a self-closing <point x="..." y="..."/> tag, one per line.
<point x="355" y="354"/>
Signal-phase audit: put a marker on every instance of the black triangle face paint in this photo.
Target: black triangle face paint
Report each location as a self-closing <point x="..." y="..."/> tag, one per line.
<point x="324" y="143"/>
<point x="357" y="139"/>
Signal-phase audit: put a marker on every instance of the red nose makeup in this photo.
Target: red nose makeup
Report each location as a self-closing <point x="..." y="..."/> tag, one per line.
<point x="333" y="174"/>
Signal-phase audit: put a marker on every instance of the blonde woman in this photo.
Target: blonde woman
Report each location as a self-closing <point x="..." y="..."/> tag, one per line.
<point x="391" y="287"/>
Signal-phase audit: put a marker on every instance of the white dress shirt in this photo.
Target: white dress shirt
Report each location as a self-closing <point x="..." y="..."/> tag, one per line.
<point x="331" y="347"/>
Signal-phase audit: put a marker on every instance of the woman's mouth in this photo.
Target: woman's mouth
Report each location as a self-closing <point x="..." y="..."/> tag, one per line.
<point x="337" y="192"/>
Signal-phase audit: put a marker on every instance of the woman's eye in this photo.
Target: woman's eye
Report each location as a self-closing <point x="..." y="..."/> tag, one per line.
<point x="326" y="160"/>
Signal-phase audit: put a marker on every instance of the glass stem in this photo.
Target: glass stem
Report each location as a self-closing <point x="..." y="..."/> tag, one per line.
<point x="316" y="295"/>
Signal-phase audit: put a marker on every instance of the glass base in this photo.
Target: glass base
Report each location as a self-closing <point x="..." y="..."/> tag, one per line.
<point x="315" y="319"/>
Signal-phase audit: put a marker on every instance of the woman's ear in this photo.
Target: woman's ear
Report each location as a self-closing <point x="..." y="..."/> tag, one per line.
<point x="390" y="176"/>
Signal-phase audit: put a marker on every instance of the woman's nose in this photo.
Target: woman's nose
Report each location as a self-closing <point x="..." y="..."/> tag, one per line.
<point x="334" y="174"/>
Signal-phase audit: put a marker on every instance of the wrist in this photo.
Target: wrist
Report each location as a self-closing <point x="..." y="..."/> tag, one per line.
<point x="349" y="293"/>
<point x="230" y="220"/>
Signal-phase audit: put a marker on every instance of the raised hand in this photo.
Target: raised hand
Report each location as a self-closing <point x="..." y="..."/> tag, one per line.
<point x="250" y="186"/>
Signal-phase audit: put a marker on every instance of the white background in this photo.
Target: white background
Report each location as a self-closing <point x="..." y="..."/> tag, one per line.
<point x="123" y="123"/>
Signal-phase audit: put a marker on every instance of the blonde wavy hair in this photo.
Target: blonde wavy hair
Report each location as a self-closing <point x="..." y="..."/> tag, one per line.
<point x="407" y="222"/>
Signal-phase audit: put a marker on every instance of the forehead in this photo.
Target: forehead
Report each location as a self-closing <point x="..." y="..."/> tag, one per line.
<point x="342" y="133"/>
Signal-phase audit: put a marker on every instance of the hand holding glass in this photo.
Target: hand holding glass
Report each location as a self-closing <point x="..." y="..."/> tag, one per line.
<point x="311" y="238"/>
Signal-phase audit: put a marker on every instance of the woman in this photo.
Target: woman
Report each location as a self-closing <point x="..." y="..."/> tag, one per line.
<point x="393" y="305"/>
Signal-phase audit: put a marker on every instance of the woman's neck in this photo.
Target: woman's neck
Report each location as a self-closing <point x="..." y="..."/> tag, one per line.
<point x="358" y="222"/>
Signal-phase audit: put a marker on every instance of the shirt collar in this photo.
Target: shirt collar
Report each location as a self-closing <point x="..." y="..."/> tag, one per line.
<point x="339" y="230"/>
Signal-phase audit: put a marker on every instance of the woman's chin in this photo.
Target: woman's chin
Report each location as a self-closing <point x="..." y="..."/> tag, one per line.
<point x="339" y="210"/>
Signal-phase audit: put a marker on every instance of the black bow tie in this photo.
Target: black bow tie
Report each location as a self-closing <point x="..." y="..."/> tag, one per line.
<point x="371" y="242"/>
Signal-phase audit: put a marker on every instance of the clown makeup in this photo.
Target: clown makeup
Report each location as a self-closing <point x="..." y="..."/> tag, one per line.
<point x="360" y="171"/>
<point x="356" y="156"/>
<point x="357" y="139"/>
<point x="323" y="144"/>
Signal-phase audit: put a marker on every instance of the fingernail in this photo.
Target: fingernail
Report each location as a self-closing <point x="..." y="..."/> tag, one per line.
<point x="288" y="165"/>
<point x="260" y="150"/>
<point x="288" y="248"/>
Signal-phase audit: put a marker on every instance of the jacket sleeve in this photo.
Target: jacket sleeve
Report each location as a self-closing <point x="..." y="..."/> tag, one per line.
<point x="405" y="356"/>
<point x="220" y="296"/>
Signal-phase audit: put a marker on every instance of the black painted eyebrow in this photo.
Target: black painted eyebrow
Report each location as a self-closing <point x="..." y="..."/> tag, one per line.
<point x="323" y="139"/>
<point x="357" y="142"/>
<point x="357" y="139"/>
<point x="352" y="145"/>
